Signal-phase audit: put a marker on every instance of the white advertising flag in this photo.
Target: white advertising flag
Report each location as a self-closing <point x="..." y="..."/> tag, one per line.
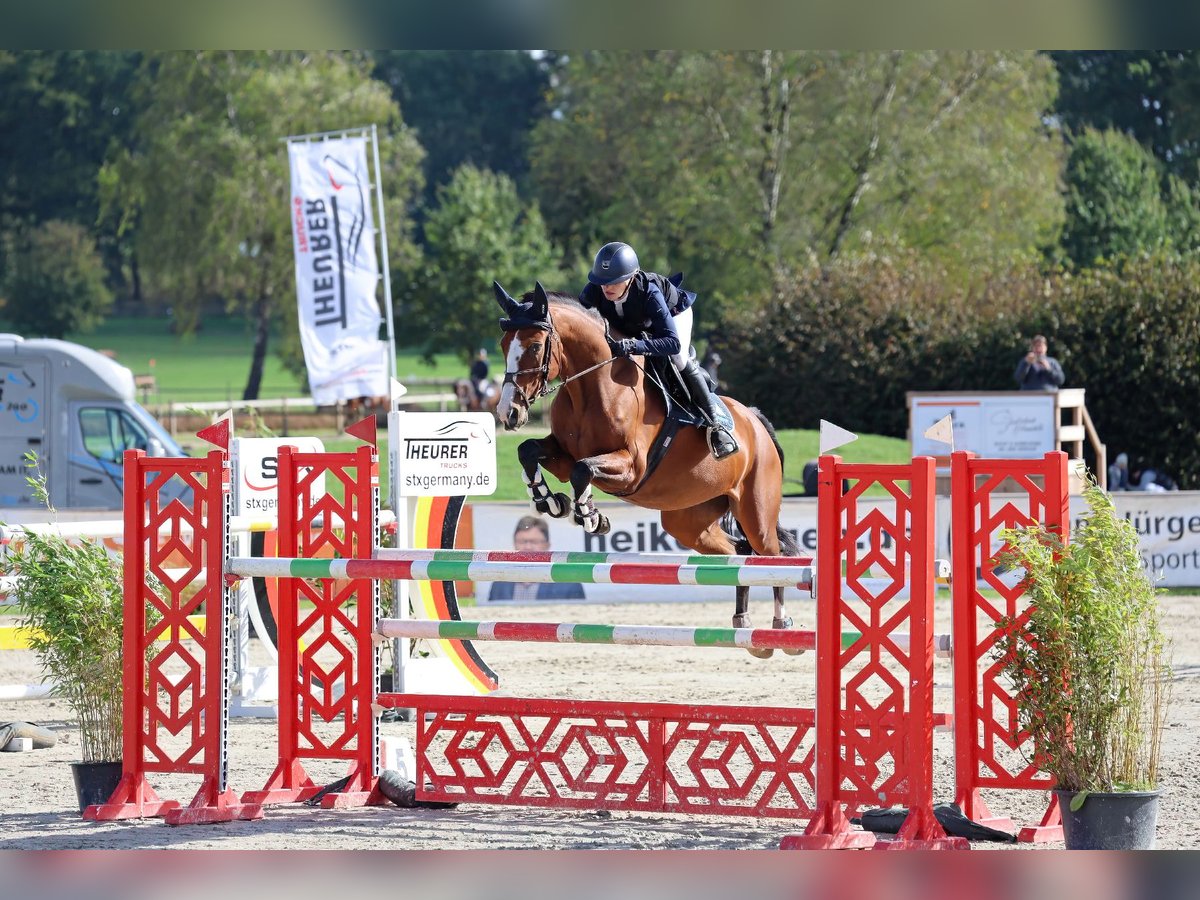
<point x="333" y="236"/>
<point x="942" y="431"/>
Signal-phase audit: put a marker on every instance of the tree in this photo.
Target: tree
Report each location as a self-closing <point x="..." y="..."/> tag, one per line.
<point x="1149" y="95"/>
<point x="60" y="112"/>
<point x="739" y="167"/>
<point x="467" y="106"/>
<point x="1114" y="202"/>
<point x="1183" y="214"/>
<point x="479" y="232"/>
<point x="1125" y="90"/>
<point x="206" y="178"/>
<point x="55" y="283"/>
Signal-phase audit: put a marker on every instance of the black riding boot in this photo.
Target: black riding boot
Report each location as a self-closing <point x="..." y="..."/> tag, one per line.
<point x="719" y="438"/>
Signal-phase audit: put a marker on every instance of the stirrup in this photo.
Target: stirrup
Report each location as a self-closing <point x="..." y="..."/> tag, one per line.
<point x="721" y="449"/>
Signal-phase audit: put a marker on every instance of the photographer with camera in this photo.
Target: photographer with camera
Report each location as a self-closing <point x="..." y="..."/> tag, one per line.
<point x="1036" y="371"/>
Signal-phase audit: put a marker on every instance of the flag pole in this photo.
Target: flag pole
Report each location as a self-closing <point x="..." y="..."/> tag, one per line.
<point x="383" y="261"/>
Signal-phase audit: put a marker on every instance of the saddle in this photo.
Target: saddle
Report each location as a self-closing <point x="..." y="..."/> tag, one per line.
<point x="663" y="377"/>
<point x="666" y="380"/>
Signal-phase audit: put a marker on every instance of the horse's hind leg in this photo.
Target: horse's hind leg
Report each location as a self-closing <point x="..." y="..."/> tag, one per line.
<point x="758" y="517"/>
<point x="699" y="527"/>
<point x="532" y="453"/>
<point x="741" y="619"/>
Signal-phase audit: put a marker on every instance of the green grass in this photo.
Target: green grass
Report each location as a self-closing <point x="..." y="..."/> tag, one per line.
<point x="213" y="363"/>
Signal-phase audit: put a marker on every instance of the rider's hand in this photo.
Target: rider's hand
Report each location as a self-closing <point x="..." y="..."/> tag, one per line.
<point x="623" y="347"/>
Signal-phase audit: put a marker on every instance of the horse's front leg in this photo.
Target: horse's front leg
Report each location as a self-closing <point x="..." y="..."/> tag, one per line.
<point x="616" y="470"/>
<point x="532" y="454"/>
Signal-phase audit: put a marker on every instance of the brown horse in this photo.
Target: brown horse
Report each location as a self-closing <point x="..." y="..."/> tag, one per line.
<point x="468" y="399"/>
<point x="359" y="407"/>
<point x="603" y="422"/>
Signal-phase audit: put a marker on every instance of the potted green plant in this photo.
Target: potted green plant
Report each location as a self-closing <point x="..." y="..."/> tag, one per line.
<point x="1090" y="673"/>
<point x="69" y="596"/>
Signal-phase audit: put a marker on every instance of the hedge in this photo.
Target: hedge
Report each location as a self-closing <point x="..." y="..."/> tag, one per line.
<point x="846" y="343"/>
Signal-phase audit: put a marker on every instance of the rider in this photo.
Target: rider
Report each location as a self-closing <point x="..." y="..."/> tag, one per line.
<point x="636" y="301"/>
<point x="479" y="375"/>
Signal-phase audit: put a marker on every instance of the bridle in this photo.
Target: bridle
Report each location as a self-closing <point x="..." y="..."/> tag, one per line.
<point x="543" y="370"/>
<point x="544" y="388"/>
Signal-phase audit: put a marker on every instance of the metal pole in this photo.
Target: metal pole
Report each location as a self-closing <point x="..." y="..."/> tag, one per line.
<point x="383" y="261"/>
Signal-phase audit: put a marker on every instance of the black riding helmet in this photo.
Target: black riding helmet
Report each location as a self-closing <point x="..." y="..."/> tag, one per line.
<point x="615" y="262"/>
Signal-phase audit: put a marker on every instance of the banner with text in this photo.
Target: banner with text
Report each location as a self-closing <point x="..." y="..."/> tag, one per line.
<point x="996" y="426"/>
<point x="445" y="454"/>
<point x="637" y="530"/>
<point x="255" y="465"/>
<point x="333" y="235"/>
<point x="1168" y="523"/>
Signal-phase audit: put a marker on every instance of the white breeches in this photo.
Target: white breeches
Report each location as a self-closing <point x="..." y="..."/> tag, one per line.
<point x="683" y="325"/>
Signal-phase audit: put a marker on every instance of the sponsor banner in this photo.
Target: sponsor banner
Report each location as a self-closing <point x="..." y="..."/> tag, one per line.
<point x="255" y="469"/>
<point x="1169" y="525"/>
<point x="333" y="235"/>
<point x="446" y="454"/>
<point x="637" y="530"/>
<point x="995" y="426"/>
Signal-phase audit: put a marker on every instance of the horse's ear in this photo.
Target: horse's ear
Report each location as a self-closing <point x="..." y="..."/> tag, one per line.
<point x="541" y="303"/>
<point x="507" y="303"/>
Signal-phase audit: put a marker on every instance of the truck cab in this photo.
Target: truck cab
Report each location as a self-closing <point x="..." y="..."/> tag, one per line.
<point x="75" y="409"/>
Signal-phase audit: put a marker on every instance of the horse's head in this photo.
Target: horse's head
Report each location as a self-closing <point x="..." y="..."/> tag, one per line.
<point x="528" y="331"/>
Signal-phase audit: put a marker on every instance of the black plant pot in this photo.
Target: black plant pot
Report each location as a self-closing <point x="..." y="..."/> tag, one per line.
<point x="1123" y="820"/>
<point x="95" y="781"/>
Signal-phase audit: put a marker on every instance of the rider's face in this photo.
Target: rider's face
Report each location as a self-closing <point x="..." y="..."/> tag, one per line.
<point x="615" y="291"/>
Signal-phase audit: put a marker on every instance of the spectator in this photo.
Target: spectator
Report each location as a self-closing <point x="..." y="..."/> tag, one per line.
<point x="809" y="475"/>
<point x="1036" y="371"/>
<point x="532" y="533"/>
<point x="1151" y="480"/>
<point x="1118" y="473"/>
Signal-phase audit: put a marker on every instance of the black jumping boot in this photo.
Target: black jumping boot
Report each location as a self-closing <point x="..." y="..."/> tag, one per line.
<point x="720" y="439"/>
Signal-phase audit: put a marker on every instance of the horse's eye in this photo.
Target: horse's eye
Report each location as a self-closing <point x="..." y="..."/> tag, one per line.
<point x="534" y="348"/>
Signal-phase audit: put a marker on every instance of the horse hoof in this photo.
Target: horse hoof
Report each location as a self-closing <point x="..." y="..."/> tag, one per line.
<point x="761" y="652"/>
<point x="593" y="522"/>
<point x="786" y="623"/>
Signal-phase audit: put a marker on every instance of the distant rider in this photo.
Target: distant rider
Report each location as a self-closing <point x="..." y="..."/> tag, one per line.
<point x="634" y="302"/>
<point x="479" y="376"/>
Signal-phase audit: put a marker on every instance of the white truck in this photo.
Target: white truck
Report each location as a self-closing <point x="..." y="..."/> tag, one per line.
<point x="75" y="409"/>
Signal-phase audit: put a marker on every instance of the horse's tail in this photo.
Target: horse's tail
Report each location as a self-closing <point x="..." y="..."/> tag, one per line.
<point x="787" y="541"/>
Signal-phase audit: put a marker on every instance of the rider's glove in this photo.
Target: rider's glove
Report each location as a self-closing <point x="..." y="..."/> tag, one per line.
<point x="624" y="347"/>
